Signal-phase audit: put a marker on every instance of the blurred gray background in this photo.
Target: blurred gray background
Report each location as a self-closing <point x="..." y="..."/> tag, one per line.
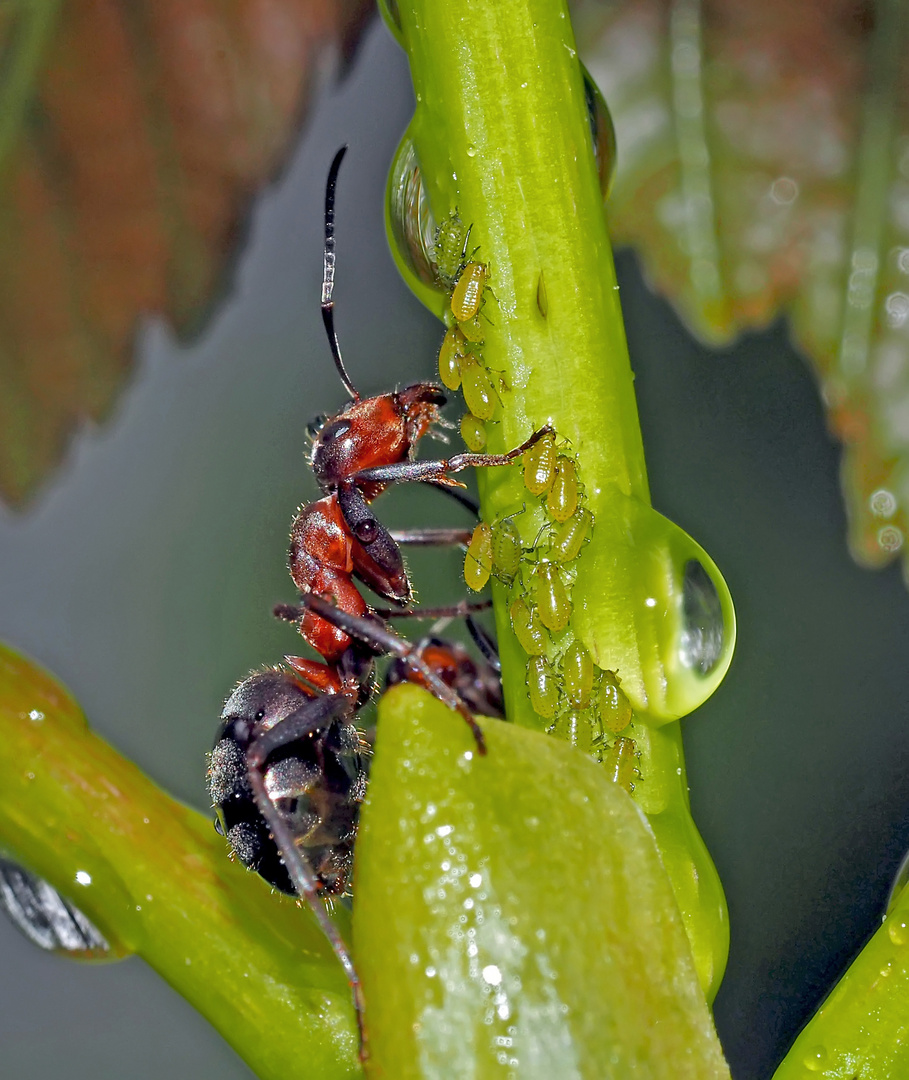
<point x="144" y="574"/>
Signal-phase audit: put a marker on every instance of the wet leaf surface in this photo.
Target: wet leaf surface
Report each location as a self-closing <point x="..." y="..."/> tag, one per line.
<point x="763" y="168"/>
<point x="134" y="138"/>
<point x="513" y="916"/>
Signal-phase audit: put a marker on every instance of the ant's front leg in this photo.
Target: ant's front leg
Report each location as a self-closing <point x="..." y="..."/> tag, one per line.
<point x="437" y="472"/>
<point x="376" y="556"/>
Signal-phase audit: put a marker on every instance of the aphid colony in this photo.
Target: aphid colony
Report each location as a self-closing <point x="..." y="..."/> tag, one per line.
<point x="584" y="704"/>
<point x="288" y="769"/>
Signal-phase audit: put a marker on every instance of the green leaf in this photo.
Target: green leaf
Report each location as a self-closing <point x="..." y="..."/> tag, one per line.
<point x="513" y="916"/>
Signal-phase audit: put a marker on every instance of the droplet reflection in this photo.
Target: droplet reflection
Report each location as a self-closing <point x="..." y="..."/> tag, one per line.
<point x="701" y="645"/>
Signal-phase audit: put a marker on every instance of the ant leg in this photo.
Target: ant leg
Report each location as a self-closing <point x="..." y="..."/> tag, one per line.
<point x="484" y="643"/>
<point x="464" y="608"/>
<point x="376" y="557"/>
<point x="454" y="493"/>
<point x="433" y="537"/>
<point x="437" y="471"/>
<point x="314" y="714"/>
<point x="382" y="639"/>
<point x="294" y="612"/>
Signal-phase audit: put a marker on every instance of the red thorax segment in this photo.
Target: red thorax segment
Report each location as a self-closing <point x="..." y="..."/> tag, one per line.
<point x="321" y="561"/>
<point x="315" y="678"/>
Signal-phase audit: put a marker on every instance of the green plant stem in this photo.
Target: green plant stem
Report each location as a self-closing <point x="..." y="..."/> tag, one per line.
<point x="160" y="885"/>
<point x="502" y="135"/>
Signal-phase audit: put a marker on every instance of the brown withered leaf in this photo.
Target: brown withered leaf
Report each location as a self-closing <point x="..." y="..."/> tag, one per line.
<point x="143" y="136"/>
<point x="763" y="166"/>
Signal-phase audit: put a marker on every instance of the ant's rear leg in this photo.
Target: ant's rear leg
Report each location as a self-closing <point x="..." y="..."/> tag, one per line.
<point x="251" y="749"/>
<point x="383" y="640"/>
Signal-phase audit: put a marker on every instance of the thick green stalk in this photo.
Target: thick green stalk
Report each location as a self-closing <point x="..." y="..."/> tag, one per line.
<point x="501" y="134"/>
<point x="154" y="877"/>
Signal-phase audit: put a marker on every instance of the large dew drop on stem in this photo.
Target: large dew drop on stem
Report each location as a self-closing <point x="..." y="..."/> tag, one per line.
<point x="47" y="919"/>
<point x="413" y="235"/>
<point x="651" y="605"/>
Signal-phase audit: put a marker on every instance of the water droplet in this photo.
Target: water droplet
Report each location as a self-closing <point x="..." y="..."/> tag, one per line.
<point x="882" y="503"/>
<point x="890" y="538"/>
<point x="83" y="877"/>
<point x="471" y="150"/>
<point x="896" y="308"/>
<point x="815" y="1059"/>
<point x="898" y="931"/>
<point x="602" y="132"/>
<point x="36" y="716"/>
<point x="49" y="920"/>
<point x="492" y="975"/>
<point x="412" y="225"/>
<point x="476" y="880"/>
<point x="784" y="191"/>
<point x="701" y="645"/>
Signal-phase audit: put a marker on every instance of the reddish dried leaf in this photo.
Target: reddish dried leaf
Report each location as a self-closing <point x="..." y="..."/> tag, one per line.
<point x="150" y="127"/>
<point x="763" y="166"/>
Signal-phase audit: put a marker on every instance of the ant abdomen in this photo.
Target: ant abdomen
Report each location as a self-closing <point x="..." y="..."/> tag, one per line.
<point x="315" y="781"/>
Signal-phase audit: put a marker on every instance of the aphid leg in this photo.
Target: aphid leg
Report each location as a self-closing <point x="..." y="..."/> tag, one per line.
<point x="437" y="471"/>
<point x="384" y="640"/>
<point x="314" y="714"/>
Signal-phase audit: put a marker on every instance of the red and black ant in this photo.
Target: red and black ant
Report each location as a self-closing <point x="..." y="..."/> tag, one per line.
<point x="288" y="770"/>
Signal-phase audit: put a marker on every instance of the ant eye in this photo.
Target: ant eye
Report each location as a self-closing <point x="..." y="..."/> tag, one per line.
<point x="366" y="531"/>
<point x="260" y="714"/>
<point x="333" y="431"/>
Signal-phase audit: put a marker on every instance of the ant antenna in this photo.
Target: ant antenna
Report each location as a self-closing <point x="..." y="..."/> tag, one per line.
<point x="328" y="273"/>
